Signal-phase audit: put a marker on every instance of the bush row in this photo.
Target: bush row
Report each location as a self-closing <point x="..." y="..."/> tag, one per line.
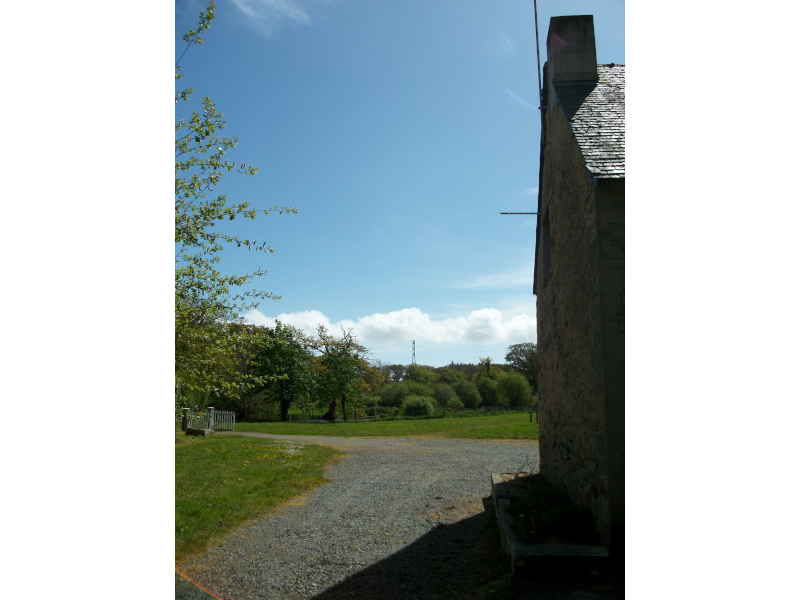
<point x="506" y="390"/>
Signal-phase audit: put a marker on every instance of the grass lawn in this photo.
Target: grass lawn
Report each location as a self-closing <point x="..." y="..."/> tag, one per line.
<point x="222" y="481"/>
<point x="510" y="426"/>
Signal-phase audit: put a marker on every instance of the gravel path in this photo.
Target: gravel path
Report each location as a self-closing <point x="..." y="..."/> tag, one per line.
<point x="401" y="518"/>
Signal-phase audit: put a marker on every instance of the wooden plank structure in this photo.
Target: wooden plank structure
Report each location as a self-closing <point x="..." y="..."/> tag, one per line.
<point x="218" y="420"/>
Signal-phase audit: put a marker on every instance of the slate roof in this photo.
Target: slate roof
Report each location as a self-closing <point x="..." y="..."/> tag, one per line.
<point x="596" y="113"/>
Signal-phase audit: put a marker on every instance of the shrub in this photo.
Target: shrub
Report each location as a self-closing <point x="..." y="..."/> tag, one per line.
<point x="455" y="404"/>
<point x="450" y="376"/>
<point x="393" y="394"/>
<point x="420" y="374"/>
<point x="516" y="388"/>
<point x="443" y="393"/>
<point x="467" y="393"/>
<point x="414" y="405"/>
<point x="491" y="393"/>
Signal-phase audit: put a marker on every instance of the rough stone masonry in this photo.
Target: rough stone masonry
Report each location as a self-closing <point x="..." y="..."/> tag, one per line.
<point x="580" y="277"/>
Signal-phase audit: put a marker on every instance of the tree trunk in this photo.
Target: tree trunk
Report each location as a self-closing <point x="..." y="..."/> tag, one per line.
<point x="284" y="409"/>
<point x="331" y="414"/>
<point x="344" y="410"/>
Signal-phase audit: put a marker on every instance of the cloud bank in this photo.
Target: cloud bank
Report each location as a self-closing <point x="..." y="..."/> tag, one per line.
<point x="484" y="326"/>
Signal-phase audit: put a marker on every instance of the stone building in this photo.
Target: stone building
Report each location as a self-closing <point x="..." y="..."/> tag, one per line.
<point x="579" y="277"/>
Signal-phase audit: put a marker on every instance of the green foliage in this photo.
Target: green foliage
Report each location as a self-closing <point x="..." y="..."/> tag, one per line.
<point x="420" y="374"/>
<point x="284" y="363"/>
<point x="491" y="394"/>
<point x="397" y="372"/>
<point x="341" y="369"/>
<point x="487" y="369"/>
<point x="414" y="405"/>
<point x="515" y="388"/>
<point x="467" y="393"/>
<point x="224" y="380"/>
<point x="393" y="393"/>
<point x="205" y="300"/>
<point x="338" y="380"/>
<point x="466" y="370"/>
<point x="385" y="370"/>
<point x="524" y="358"/>
<point x="373" y="377"/>
<point x="305" y="403"/>
<point x="455" y="403"/>
<point x="450" y="376"/>
<point x="443" y="393"/>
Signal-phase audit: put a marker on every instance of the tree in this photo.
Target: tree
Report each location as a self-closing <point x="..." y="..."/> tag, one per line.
<point x="486" y="382"/>
<point x="455" y="403"/>
<point x="394" y="393"/>
<point x="515" y="388"/>
<point x="491" y="394"/>
<point x="373" y="378"/>
<point x="385" y="370"/>
<point x="341" y="367"/>
<point x="523" y="357"/>
<point x="416" y="406"/>
<point x="398" y="372"/>
<point x="205" y="302"/>
<point x="443" y="394"/>
<point x="467" y="392"/>
<point x="236" y="396"/>
<point x="450" y="376"/>
<point x="487" y="369"/>
<point x="284" y="363"/>
<point x="467" y="370"/>
<point x="420" y="374"/>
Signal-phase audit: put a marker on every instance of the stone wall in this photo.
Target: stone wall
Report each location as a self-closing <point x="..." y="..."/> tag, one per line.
<point x="573" y="434"/>
<point x="611" y="233"/>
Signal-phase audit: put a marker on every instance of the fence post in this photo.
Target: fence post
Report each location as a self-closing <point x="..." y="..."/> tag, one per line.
<point x="211" y="417"/>
<point x="184" y="419"/>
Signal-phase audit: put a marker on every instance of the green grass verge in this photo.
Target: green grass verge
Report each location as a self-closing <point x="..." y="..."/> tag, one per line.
<point x="511" y="426"/>
<point x="223" y="481"/>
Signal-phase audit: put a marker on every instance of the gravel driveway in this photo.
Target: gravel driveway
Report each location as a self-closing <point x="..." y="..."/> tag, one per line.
<point x="401" y="518"/>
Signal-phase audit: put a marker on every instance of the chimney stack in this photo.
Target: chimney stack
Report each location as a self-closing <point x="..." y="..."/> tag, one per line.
<point x="571" y="53"/>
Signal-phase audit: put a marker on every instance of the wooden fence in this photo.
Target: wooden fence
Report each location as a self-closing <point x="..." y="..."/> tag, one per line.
<point x="218" y="420"/>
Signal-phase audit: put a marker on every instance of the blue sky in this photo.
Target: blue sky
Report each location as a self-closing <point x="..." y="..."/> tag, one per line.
<point x="400" y="131"/>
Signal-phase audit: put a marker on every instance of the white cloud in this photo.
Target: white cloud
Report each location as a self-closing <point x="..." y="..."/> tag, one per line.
<point x="531" y="192"/>
<point x="266" y="16"/>
<point x="484" y="326"/>
<point x="306" y="320"/>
